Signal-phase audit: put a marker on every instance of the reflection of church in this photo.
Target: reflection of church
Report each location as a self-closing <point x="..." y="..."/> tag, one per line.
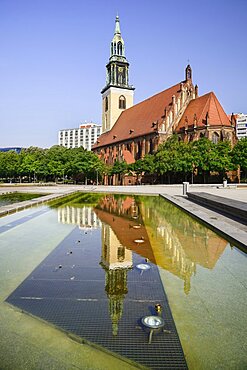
<point x="116" y="260"/>
<point x="179" y="243"/>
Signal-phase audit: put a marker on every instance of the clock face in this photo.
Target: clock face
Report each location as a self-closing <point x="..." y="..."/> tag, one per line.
<point x="120" y="69"/>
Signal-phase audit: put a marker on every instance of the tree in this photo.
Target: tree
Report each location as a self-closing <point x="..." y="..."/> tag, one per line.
<point x="119" y="169"/>
<point x="9" y="164"/>
<point x="239" y="155"/>
<point x="201" y="152"/>
<point x="220" y="158"/>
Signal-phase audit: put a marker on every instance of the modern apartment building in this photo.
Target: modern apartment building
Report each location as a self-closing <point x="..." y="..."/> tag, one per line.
<point x="84" y="136"/>
<point x="241" y="125"/>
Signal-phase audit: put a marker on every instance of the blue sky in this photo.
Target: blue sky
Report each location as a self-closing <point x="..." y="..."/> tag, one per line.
<point x="53" y="55"/>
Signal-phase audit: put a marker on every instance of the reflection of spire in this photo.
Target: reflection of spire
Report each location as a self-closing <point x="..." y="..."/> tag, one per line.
<point x="116" y="288"/>
<point x="116" y="260"/>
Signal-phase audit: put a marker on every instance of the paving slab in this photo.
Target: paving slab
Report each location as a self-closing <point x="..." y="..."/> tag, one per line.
<point x="232" y="208"/>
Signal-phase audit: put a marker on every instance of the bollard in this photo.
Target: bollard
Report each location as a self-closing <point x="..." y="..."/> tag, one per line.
<point x="185" y="188"/>
<point x="224" y="183"/>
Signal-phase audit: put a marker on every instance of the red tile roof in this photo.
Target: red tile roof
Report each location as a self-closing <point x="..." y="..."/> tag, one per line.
<point x="199" y="108"/>
<point x="138" y="120"/>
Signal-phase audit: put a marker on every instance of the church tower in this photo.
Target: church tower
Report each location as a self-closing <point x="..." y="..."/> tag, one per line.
<point x="117" y="95"/>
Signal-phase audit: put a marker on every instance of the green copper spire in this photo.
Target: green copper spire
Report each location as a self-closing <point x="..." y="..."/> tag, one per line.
<point x="117" y="74"/>
<point x="117" y="44"/>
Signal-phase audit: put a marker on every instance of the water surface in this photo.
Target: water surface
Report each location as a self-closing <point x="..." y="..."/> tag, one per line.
<point x="203" y="276"/>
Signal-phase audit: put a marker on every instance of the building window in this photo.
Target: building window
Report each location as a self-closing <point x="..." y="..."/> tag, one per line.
<point x="122" y="102"/>
<point x="119" y="48"/>
<point x="106" y="104"/>
<point x="121" y="254"/>
<point x="215" y="138"/>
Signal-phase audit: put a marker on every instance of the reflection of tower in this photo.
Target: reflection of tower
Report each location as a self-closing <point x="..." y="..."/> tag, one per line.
<point x="116" y="260"/>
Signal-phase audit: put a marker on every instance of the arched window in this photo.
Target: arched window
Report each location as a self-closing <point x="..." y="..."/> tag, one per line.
<point x="106" y="104"/>
<point x="122" y="102"/>
<point x="119" y="48"/>
<point x="215" y="137"/>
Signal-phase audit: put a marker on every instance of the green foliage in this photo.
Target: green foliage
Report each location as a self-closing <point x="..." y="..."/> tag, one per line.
<point x="36" y="164"/>
<point x="146" y="165"/>
<point x="174" y="159"/>
<point x="239" y="154"/>
<point x="119" y="168"/>
<point x="178" y="160"/>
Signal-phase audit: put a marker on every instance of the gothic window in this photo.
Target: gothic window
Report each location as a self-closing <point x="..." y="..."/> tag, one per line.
<point x="215" y="138"/>
<point x="106" y="104"/>
<point x="122" y="102"/>
<point x="119" y="48"/>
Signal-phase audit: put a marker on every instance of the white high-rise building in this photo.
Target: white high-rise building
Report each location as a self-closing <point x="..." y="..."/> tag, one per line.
<point x="241" y="125"/>
<point x="85" y="136"/>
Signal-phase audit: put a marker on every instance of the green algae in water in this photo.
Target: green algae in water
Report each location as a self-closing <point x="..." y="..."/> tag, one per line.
<point x="10" y="198"/>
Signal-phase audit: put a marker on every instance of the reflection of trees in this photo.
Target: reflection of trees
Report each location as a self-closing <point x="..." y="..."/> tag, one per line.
<point x="179" y="243"/>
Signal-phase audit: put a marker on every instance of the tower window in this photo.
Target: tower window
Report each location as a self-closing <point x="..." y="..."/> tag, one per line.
<point x="119" y="48"/>
<point x="106" y="104"/>
<point x="122" y="102"/>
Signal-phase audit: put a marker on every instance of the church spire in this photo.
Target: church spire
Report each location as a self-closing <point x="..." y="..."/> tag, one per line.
<point x="117" y="44"/>
<point x="117" y="94"/>
<point x="117" y="26"/>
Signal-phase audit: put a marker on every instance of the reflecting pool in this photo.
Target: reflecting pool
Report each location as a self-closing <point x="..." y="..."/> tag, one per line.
<point x="99" y="267"/>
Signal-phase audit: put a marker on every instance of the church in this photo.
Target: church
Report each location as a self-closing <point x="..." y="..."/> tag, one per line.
<point x="129" y="131"/>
